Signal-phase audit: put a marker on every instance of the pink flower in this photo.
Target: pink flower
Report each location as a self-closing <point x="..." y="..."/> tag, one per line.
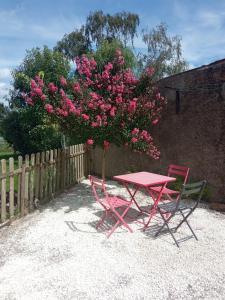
<point x="132" y="106"/>
<point x="62" y="93"/>
<point x="93" y="64"/>
<point x="90" y="141"/>
<point x="37" y="91"/>
<point x="158" y="96"/>
<point x="61" y="112"/>
<point x="29" y="101"/>
<point x="98" y="118"/>
<point x="108" y="67"/>
<point x="105" y="75"/>
<point x="154" y="122"/>
<point x="90" y="105"/>
<point x="102" y="107"/>
<point x="106" y="144"/>
<point x="113" y="111"/>
<point x="144" y="134"/>
<point x="94" y="96"/>
<point x="76" y="87"/>
<point x="135" y="131"/>
<point x="63" y="81"/>
<point x="52" y="88"/>
<point x="49" y="108"/>
<point x="85" y="117"/>
<point x="119" y="99"/>
<point x="43" y="97"/>
<point x="33" y="84"/>
<point x="39" y="81"/>
<point x="134" y="140"/>
<point x="94" y="124"/>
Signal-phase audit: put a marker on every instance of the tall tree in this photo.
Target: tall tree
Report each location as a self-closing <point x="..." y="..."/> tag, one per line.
<point x="26" y="128"/>
<point x="74" y="44"/>
<point x="98" y="28"/>
<point x="164" y="53"/>
<point x="121" y="26"/>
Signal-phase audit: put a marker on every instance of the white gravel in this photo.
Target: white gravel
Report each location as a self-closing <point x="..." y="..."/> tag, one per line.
<point x="58" y="254"/>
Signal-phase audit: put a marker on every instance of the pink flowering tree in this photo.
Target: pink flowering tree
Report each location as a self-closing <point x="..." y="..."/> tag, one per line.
<point x="103" y="107"/>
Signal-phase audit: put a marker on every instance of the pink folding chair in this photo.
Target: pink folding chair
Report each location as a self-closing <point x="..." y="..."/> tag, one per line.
<point x="111" y="204"/>
<point x="177" y="171"/>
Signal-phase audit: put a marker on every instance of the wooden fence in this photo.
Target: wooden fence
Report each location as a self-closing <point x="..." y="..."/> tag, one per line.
<point x="37" y="179"/>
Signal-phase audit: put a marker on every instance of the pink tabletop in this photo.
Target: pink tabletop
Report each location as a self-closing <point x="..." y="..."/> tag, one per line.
<point x="144" y="179"/>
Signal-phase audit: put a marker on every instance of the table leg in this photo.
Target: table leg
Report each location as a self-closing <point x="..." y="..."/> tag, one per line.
<point x="132" y="196"/>
<point x="153" y="210"/>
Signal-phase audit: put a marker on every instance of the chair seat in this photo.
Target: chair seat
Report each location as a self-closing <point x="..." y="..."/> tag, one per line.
<point x="115" y="201"/>
<point x="157" y="189"/>
<point x="168" y="207"/>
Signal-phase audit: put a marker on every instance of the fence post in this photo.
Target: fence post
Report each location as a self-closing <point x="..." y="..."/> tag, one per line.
<point x="31" y="182"/>
<point x="37" y="177"/>
<point x="11" y="187"/>
<point x="82" y="161"/>
<point x="76" y="164"/>
<point x="51" y="177"/>
<point x="42" y="176"/>
<point x="56" y="153"/>
<point x="26" y="195"/>
<point x="3" y="191"/>
<point x="20" y="162"/>
<point x="47" y="177"/>
<point x="22" y="199"/>
<point x="63" y="169"/>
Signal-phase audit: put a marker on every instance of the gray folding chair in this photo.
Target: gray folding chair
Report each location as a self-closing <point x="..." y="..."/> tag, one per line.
<point x="170" y="209"/>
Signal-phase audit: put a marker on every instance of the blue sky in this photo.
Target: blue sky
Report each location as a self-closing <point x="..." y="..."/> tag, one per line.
<point x="29" y="23"/>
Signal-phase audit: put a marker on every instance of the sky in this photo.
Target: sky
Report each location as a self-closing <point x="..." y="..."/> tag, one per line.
<point x="25" y="24"/>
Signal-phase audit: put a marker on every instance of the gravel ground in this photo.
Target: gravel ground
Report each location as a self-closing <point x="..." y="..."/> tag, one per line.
<point x="56" y="253"/>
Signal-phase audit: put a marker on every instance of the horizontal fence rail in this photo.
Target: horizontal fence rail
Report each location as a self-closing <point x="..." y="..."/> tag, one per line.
<point x="38" y="178"/>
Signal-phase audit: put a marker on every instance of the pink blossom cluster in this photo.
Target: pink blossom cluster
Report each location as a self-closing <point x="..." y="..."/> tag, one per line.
<point x="36" y="91"/>
<point x="104" y="103"/>
<point x="142" y="141"/>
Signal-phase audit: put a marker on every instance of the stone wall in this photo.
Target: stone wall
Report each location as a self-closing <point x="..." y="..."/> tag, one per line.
<point x="194" y="136"/>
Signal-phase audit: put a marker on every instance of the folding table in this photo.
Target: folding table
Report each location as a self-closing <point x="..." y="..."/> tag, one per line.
<point x="144" y="180"/>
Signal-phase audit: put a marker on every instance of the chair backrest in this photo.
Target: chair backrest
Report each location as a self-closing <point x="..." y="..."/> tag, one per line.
<point x="98" y="189"/>
<point x="196" y="188"/>
<point x="179" y="170"/>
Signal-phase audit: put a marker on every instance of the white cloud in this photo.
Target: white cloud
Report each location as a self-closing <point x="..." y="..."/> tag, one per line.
<point x="5" y="73"/>
<point x="14" y="24"/>
<point x="55" y="29"/>
<point x="10" y="23"/>
<point x="211" y="19"/>
<point x="202" y="32"/>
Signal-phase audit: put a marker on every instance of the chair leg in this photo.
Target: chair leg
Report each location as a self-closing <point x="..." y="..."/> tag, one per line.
<point x="120" y="217"/>
<point x="161" y="228"/>
<point x="170" y="231"/>
<point x="113" y="229"/>
<point x="166" y="224"/>
<point x="104" y="215"/>
<point x="186" y="221"/>
<point x="120" y="220"/>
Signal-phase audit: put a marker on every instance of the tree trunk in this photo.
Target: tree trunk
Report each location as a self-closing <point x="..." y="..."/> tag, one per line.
<point x="103" y="163"/>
